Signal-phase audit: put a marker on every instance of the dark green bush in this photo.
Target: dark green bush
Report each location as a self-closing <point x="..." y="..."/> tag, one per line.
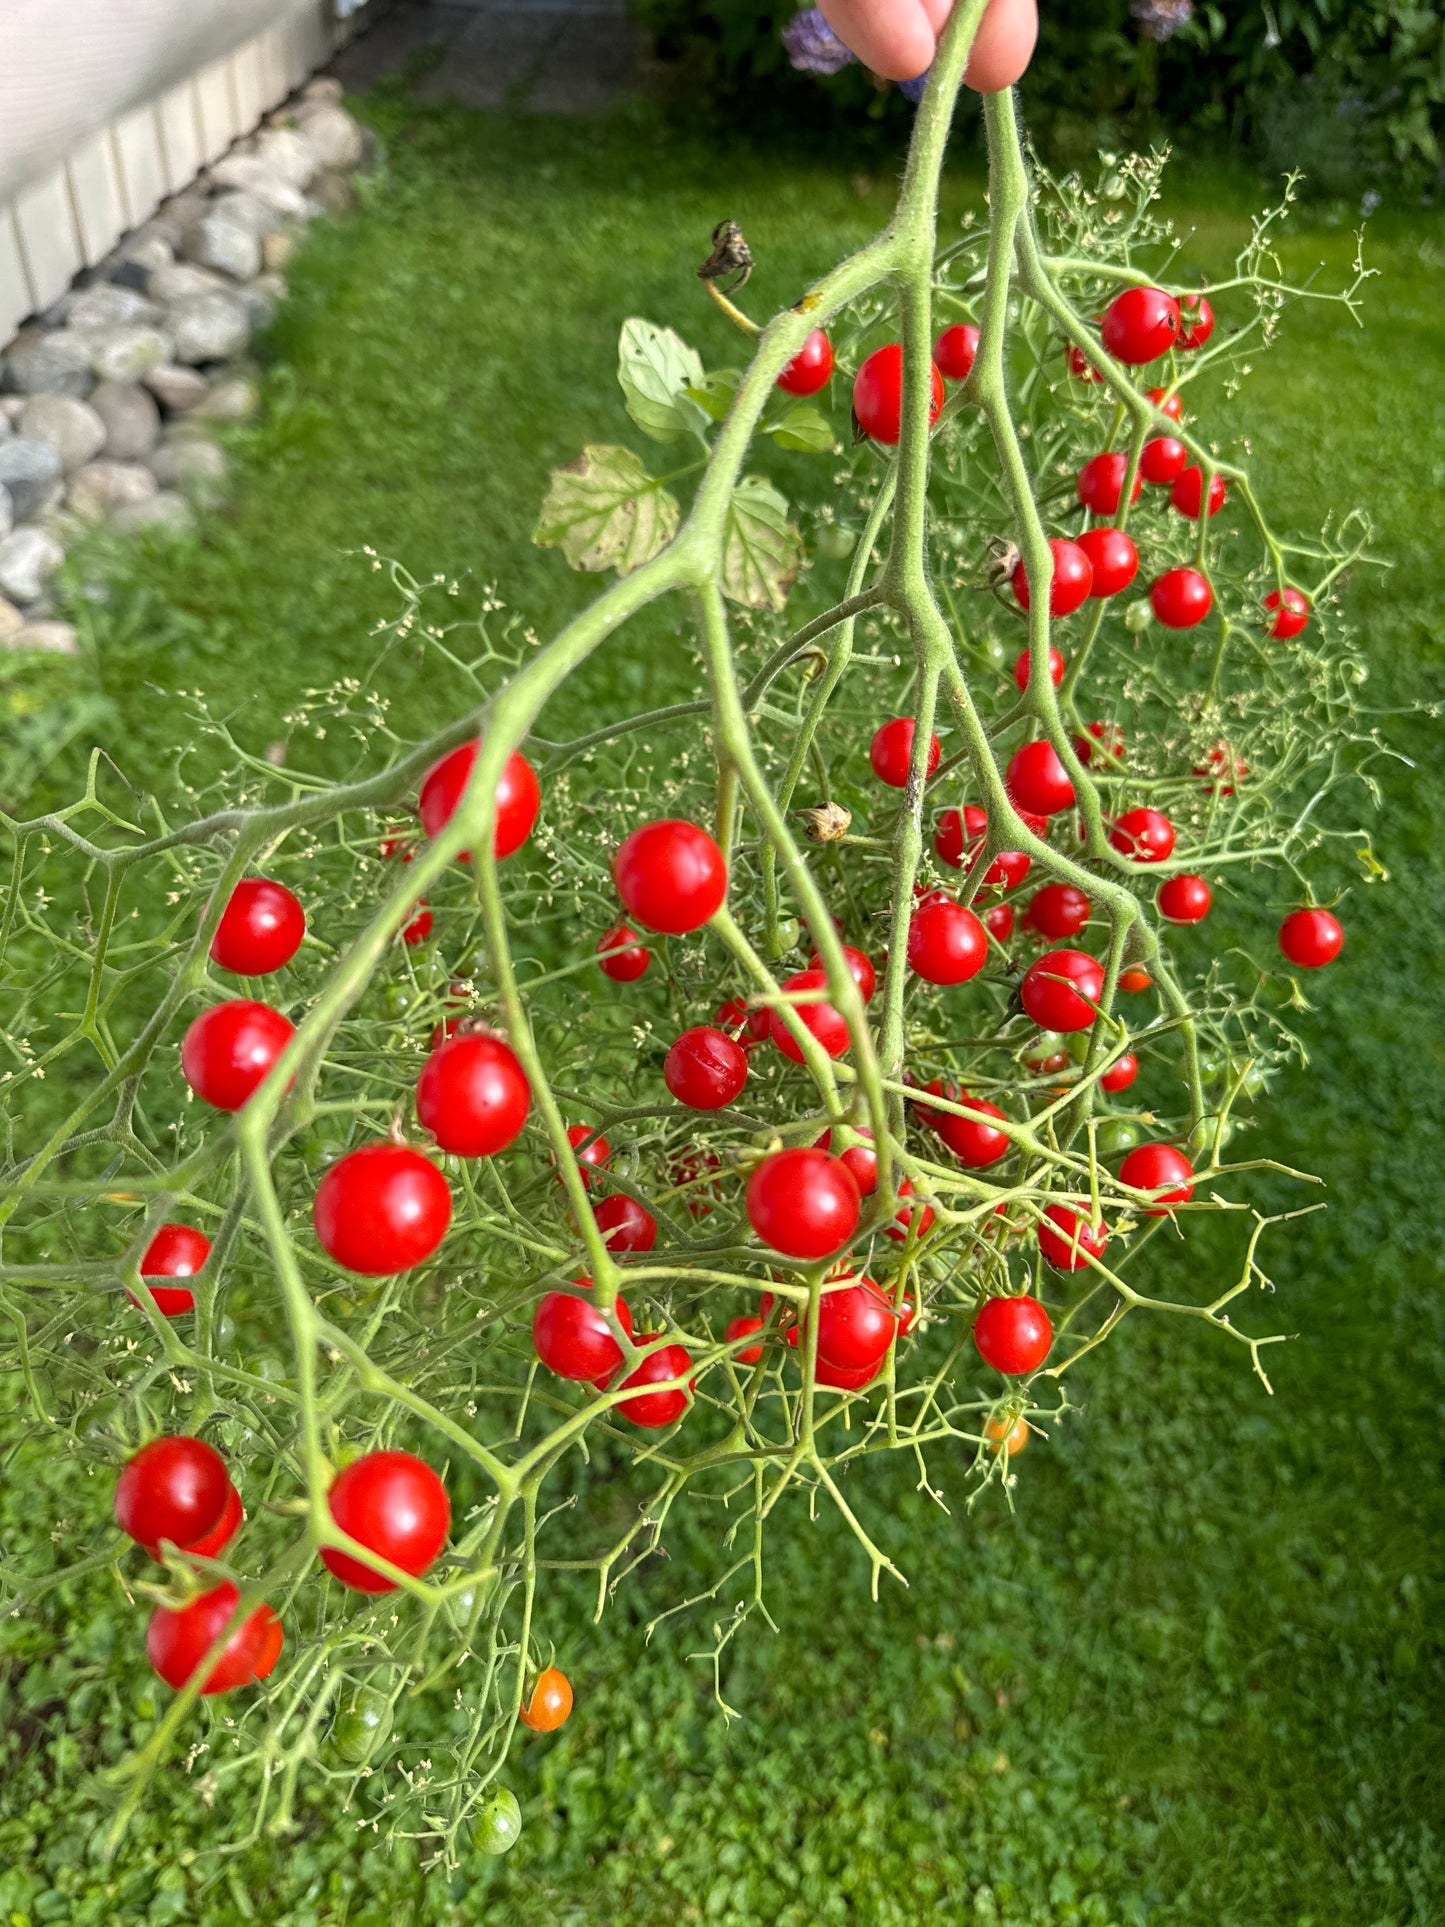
<point x="1353" y="91"/>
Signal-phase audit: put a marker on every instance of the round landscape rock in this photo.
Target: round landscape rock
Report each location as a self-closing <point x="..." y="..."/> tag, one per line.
<point x="177" y="389"/>
<point x="28" y="559"/>
<point x="29" y="470"/>
<point x="220" y="243"/>
<point x="331" y="134"/>
<point x="131" y="418"/>
<point x="166" y="511"/>
<point x="48" y="364"/>
<point x="124" y="351"/>
<point x="71" y="427"/>
<point x="99" y="488"/>
<point x="210" y="327"/>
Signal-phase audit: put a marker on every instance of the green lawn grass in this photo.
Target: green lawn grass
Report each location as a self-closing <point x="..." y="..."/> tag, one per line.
<point x="1197" y="1675"/>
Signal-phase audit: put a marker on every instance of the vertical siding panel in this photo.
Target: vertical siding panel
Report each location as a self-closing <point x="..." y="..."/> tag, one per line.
<point x="46" y="227"/>
<point x="96" y="197"/>
<point x="17" y="297"/>
<point x="271" y="60"/>
<point x="178" y="118"/>
<point x="313" y="42"/>
<point x="140" y="163"/>
<point x="251" y="102"/>
<point x="217" y="109"/>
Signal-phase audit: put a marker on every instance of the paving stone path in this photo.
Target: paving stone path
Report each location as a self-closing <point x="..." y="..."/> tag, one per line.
<point x="552" y="56"/>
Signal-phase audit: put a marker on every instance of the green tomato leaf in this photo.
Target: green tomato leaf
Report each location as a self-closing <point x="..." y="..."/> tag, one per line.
<point x="715" y="395"/>
<point x="605" y="511"/>
<point x="760" y="546"/>
<point x="655" y="368"/>
<point x="807" y="429"/>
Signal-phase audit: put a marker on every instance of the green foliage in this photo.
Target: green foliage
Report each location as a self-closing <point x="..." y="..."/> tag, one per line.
<point x="1352" y="92"/>
<point x="1219" y="1696"/>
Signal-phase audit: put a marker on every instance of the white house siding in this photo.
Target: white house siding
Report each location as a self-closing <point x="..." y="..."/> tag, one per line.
<point x="107" y="106"/>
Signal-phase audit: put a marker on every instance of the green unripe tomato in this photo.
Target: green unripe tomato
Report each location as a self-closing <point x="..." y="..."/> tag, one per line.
<point x="225" y="1332"/>
<point x="397" y="999"/>
<point x="789" y="931"/>
<point x="1138" y="616"/>
<point x="1209" y="1137"/>
<point x="498" y="1825"/>
<point x="271" y="1368"/>
<point x="1213" y="1066"/>
<point x="836" y="542"/>
<point x="998" y="652"/>
<point x="1079" y="1045"/>
<point x="1115" y="1136"/>
<point x="361" y="1725"/>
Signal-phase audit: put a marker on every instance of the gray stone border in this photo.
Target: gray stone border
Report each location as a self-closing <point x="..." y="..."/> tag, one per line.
<point x="108" y="398"/>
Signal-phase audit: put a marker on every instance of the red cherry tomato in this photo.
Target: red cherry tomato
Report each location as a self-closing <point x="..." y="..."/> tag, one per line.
<point x="1187" y="493"/>
<point x="743" y="1328"/>
<point x="173" y="1488"/>
<point x="891" y="752"/>
<point x="1070" y="583"/>
<point x="1008" y="1437"/>
<point x="1057" y="668"/>
<point x="519" y="797"/>
<point x="946" y="943"/>
<point x="1140" y="325"/>
<point x="1068" y="1238"/>
<point x="705" y="1069"/>
<point x="1161" y="1169"/>
<point x="420" y="927"/>
<point x="572" y="1337"/>
<point x="1101" y="483"/>
<point x="1007" y="870"/>
<point x="1038" y="781"/>
<point x="473" y="1095"/>
<point x="1000" y="921"/>
<point x="1163" y="460"/>
<point x="839" y="1378"/>
<point x="1121" y="1073"/>
<point x="1180" y="598"/>
<point x="1079" y="365"/>
<point x="860" y="969"/>
<point x="176" y="1251"/>
<point x="1311" y="938"/>
<point x="653" y="1410"/>
<point x="211" y="1544"/>
<point x="1058" y="910"/>
<point x="1169" y="405"/>
<point x="260" y="929"/>
<point x="827" y="1024"/>
<point x="955" y="351"/>
<point x="624" y="966"/>
<point x="178" y="1640"/>
<point x="550" y="1704"/>
<point x="973" y="1140"/>
<point x="1145" y="835"/>
<point x="1184" y="899"/>
<point x="1134" y="979"/>
<point x="394" y="1505"/>
<point x="856" y="1324"/>
<point x="1107" y="737"/>
<point x="811" y="368"/>
<point x="1113" y="559"/>
<point x="231" y="1049"/>
<point x="1061" y="990"/>
<point x="594" y="1154"/>
<point x="878" y="394"/>
<point x="1217" y="764"/>
<point x="903" y="1225"/>
<point x="382" y="1209"/>
<point x="803" y="1203"/>
<point x="671" y="876"/>
<point x="693" y="1173"/>
<point x="1196" y="321"/>
<point x="860" y="1159"/>
<point x="625" y="1224"/>
<point x="1291" y="612"/>
<point x="1013" y="1335"/>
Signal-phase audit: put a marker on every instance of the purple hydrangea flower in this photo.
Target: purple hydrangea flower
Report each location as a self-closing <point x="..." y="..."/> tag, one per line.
<point x="813" y="47"/>
<point x="1162" y="19"/>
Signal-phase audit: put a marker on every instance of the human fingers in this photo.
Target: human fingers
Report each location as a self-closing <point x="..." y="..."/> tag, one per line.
<point x="896" y="38"/>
